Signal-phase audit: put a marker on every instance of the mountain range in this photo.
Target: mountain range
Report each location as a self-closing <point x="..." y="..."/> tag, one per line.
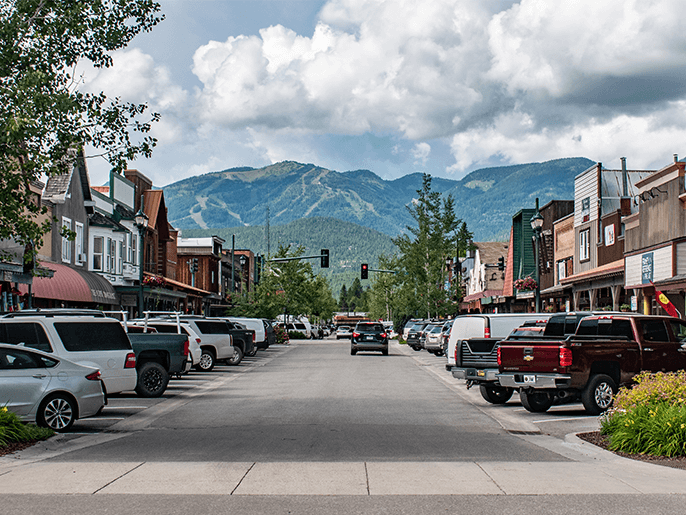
<point x="485" y="199"/>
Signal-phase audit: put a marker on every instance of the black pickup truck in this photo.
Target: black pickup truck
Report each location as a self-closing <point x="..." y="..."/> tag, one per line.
<point x="243" y="341"/>
<point x="158" y="356"/>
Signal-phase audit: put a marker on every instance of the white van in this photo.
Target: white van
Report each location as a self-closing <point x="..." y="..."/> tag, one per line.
<point x="85" y="337"/>
<point x="495" y="325"/>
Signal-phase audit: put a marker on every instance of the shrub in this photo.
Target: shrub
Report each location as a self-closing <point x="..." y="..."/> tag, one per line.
<point x="281" y="335"/>
<point x="649" y="418"/>
<point x="297" y="335"/>
<point x="13" y="430"/>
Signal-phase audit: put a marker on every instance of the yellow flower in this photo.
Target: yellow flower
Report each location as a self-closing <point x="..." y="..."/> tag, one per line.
<point x="3" y="409"/>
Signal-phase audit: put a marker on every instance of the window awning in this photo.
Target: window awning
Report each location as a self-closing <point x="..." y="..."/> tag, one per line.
<point x="73" y="285"/>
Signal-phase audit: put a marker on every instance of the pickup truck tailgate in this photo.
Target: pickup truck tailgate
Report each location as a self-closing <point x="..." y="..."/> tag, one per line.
<point x="529" y="358"/>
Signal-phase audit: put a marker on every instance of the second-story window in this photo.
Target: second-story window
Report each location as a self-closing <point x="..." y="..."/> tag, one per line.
<point x="66" y="244"/>
<point x="97" y="253"/>
<point x="112" y="256"/>
<point x="584" y="245"/>
<point x="120" y="257"/>
<point x="79" y="244"/>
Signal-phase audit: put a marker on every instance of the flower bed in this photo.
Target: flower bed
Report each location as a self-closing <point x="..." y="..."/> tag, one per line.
<point x="526" y="284"/>
<point x="649" y="418"/>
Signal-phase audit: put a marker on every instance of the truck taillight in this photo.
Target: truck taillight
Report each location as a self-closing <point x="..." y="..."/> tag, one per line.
<point x="487" y="332"/>
<point x="253" y="337"/>
<point x="130" y="360"/>
<point x="456" y="344"/>
<point x="383" y="335"/>
<point x="565" y="357"/>
<point x="356" y="335"/>
<point x="186" y="347"/>
<point x="499" y="360"/>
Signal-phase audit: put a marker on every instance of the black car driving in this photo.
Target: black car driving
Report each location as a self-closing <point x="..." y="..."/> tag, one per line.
<point x="369" y="336"/>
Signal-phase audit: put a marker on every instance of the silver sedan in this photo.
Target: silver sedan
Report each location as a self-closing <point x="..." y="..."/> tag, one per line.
<point x="52" y="392"/>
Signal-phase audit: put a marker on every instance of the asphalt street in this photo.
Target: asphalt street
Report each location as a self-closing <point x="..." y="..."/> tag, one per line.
<point x="308" y="428"/>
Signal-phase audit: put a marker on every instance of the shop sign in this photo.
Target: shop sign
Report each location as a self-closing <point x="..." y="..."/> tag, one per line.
<point x="647" y="268"/>
<point x="609" y="235"/>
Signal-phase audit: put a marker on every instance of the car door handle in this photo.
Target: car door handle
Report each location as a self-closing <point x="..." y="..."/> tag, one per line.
<point x="39" y="376"/>
<point x="647" y="349"/>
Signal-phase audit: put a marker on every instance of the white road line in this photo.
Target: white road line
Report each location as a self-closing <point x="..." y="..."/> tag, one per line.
<point x="104" y="418"/>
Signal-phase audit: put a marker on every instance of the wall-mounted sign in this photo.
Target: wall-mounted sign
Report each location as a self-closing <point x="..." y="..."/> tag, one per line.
<point x="609" y="235"/>
<point x="647" y="268"/>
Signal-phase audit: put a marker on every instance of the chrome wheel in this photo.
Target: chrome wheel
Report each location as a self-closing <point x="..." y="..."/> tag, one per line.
<point x="603" y="395"/>
<point x="57" y="413"/>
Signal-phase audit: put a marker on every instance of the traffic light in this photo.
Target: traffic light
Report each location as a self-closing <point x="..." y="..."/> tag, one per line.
<point x="364" y="271"/>
<point x="501" y="263"/>
<point x="194" y="268"/>
<point x="325" y="258"/>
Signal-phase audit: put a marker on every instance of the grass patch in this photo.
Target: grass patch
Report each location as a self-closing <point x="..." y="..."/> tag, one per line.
<point x="13" y="430"/>
<point x="649" y="418"/>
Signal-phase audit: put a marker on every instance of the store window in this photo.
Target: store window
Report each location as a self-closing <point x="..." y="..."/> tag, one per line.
<point x="79" y="244"/>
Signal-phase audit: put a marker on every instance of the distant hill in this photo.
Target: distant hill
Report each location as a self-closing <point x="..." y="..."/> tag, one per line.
<point x="486" y="199"/>
<point x="349" y="244"/>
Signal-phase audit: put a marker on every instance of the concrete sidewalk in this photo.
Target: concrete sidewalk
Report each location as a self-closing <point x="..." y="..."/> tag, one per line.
<point x="618" y="476"/>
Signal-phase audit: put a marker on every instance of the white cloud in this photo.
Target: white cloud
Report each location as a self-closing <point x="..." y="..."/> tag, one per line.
<point x="421" y="152"/>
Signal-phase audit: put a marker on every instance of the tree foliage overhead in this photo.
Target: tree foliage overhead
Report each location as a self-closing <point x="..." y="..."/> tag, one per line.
<point x="44" y="117"/>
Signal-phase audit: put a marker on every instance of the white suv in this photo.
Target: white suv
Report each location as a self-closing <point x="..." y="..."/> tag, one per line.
<point x="85" y="337"/>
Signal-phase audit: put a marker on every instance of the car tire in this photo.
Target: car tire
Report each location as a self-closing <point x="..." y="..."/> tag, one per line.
<point x="236" y="358"/>
<point x="598" y="394"/>
<point x="384" y="352"/>
<point x="353" y="351"/>
<point x="252" y="353"/>
<point x="57" y="412"/>
<point x="152" y="380"/>
<point x="416" y="349"/>
<point x="536" y="402"/>
<point x="496" y="394"/>
<point x="206" y="362"/>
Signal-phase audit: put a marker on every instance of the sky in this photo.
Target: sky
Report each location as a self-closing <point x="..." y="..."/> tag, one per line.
<point x="402" y="86"/>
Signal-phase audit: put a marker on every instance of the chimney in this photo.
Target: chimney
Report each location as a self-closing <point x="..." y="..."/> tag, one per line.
<point x="625" y="178"/>
<point x="676" y="158"/>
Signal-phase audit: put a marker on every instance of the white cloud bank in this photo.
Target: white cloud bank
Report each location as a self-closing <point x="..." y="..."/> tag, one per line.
<point x="520" y="81"/>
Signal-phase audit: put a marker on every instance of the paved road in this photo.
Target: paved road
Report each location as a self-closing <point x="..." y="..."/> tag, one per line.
<point x="342" y="434"/>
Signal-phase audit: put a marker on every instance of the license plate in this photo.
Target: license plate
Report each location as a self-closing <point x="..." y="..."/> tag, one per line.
<point x="530" y="379"/>
<point x="481" y="373"/>
<point x="370" y="337"/>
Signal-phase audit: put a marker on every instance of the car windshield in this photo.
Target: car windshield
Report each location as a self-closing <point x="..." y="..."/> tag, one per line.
<point x="436" y="329"/>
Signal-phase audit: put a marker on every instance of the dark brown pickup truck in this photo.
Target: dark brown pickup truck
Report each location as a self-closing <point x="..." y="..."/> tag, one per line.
<point x="607" y="351"/>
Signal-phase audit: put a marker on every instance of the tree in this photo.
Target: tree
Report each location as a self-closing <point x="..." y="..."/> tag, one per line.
<point x="343" y="299"/>
<point x="383" y="301"/>
<point x="44" y="118"/>
<point x="290" y="287"/>
<point x="424" y="251"/>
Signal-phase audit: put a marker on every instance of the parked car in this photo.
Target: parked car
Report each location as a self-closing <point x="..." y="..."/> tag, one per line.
<point x="606" y="352"/>
<point x="343" y="331"/>
<point x="270" y="335"/>
<point x="369" y="336"/>
<point x="408" y="325"/>
<point x="50" y="391"/>
<point x="216" y="341"/>
<point x="473" y="347"/>
<point x="258" y="326"/>
<point x="85" y="337"/>
<point x="433" y="341"/>
<point x="416" y="334"/>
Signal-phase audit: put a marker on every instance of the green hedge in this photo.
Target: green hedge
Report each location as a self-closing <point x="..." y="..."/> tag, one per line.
<point x="649" y="418"/>
<point x="13" y="430"/>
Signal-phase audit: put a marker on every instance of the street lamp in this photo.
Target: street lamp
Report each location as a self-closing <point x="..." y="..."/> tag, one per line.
<point x="537" y="225"/>
<point x="141" y="221"/>
<point x="242" y="260"/>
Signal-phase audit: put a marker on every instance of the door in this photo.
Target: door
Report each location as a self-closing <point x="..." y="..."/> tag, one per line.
<point x="660" y="353"/>
<point x="23" y="379"/>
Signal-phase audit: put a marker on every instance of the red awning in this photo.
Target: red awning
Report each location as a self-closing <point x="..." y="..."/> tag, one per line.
<point x="72" y="285"/>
